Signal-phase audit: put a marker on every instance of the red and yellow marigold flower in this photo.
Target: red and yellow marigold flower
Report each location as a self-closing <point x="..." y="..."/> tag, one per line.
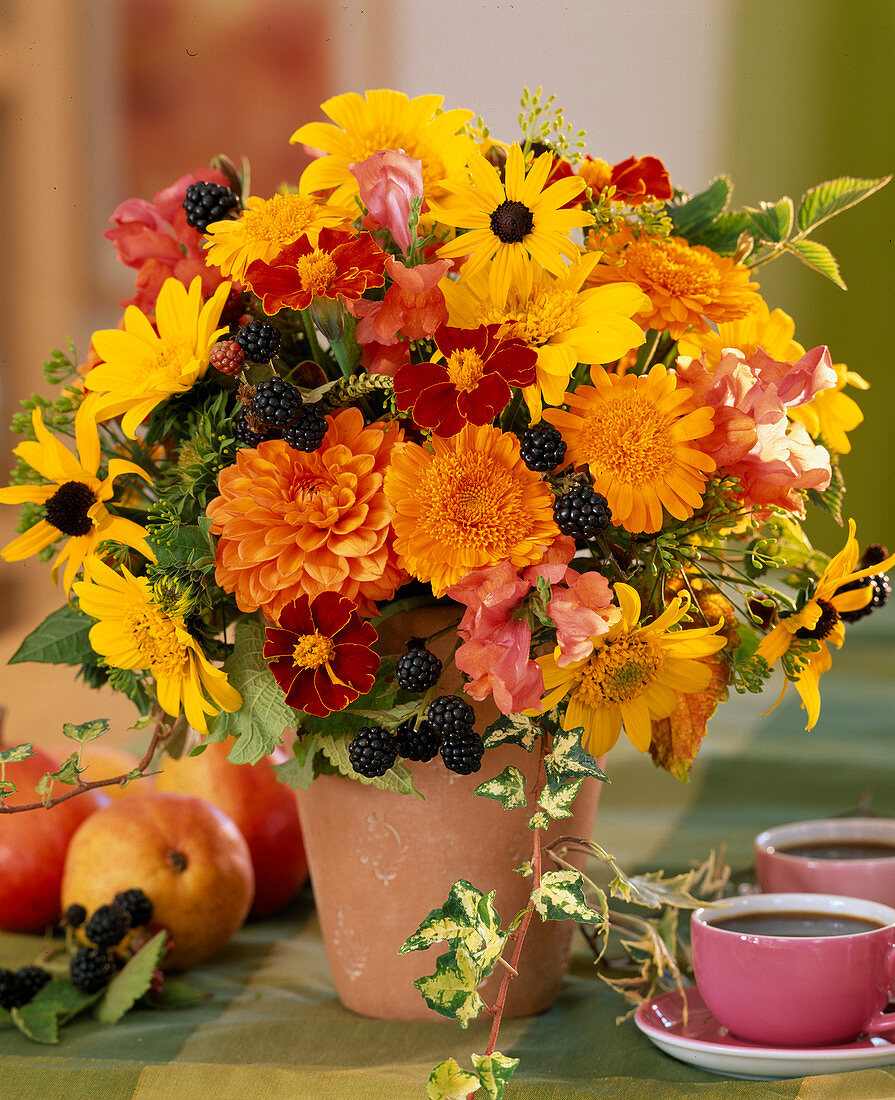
<point x="633" y="675"/>
<point x="473" y="383"/>
<point x="341" y="265"/>
<point x="73" y="497"/>
<point x="291" y="523"/>
<point x="468" y="503"/>
<point x="637" y="436"/>
<point x="636" y="179"/>
<point x="687" y="285"/>
<point x="319" y="653"/>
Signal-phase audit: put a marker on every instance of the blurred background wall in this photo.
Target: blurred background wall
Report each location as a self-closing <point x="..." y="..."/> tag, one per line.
<point x="102" y="100"/>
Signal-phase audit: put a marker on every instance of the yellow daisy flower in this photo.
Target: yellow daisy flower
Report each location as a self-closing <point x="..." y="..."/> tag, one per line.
<point x="468" y="503"/>
<point x="632" y="675"/>
<point x="133" y="633"/>
<point x="265" y="228"/>
<point x="383" y="119"/>
<point x="73" y="498"/>
<point x="563" y="323"/>
<point x="820" y="619"/>
<point x="637" y="440"/>
<point x="512" y="221"/>
<point x="142" y="367"/>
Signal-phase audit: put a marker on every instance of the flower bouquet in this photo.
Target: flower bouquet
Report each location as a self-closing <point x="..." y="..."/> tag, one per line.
<point x="497" y="381"/>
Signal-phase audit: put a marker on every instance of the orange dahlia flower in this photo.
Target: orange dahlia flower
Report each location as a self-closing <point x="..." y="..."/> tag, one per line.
<point x="468" y="503"/>
<point x="291" y="523"/>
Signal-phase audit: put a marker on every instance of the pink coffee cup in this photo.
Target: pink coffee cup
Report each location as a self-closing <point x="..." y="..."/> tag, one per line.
<point x="796" y="990"/>
<point x="779" y="868"/>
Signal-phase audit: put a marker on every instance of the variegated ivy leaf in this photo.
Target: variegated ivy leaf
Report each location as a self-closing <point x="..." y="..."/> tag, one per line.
<point x="524" y="869"/>
<point x="451" y="990"/>
<point x="559" y="803"/>
<point x="468" y="921"/>
<point x="16" y="754"/>
<point x="512" y="729"/>
<point x="448" y="1081"/>
<point x="494" y="1071"/>
<point x="508" y="788"/>
<point x="561" y="896"/>
<point x="87" y="731"/>
<point x="540" y="820"/>
<point x="568" y="760"/>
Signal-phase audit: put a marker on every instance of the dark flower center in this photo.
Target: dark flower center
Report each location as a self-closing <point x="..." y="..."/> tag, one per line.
<point x="829" y="616"/>
<point x="67" y="509"/>
<point x="512" y="221"/>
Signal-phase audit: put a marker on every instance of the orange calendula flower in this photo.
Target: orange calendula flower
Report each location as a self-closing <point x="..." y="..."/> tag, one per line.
<point x="265" y="228"/>
<point x="637" y="438"/>
<point x="687" y="285"/>
<point x="291" y="523"/>
<point x="342" y="265"/>
<point x="468" y="503"/>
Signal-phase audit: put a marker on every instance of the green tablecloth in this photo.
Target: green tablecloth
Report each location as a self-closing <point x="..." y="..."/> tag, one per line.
<point x="274" y="1029"/>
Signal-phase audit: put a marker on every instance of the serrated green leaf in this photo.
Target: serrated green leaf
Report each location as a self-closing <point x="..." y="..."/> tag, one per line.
<point x="177" y="994"/>
<point x="16" y="754"/>
<point x="54" y="1005"/>
<point x="259" y="723"/>
<point x="508" y="788"/>
<point x="723" y="235"/>
<point x="512" y="729"/>
<point x="389" y="719"/>
<point x="568" y="760"/>
<point x="86" y="731"/>
<point x="821" y="203"/>
<point x="448" y="1081"/>
<point x="494" y="1072"/>
<point x="816" y="255"/>
<point x="192" y="548"/>
<point x="61" y="639"/>
<point x="295" y="773"/>
<point x="697" y="213"/>
<point x="558" y="803"/>
<point x="773" y="220"/>
<point x="397" y="778"/>
<point x="467" y="919"/>
<point x="831" y="498"/>
<point x="561" y="896"/>
<point x="451" y="990"/>
<point x="132" y="981"/>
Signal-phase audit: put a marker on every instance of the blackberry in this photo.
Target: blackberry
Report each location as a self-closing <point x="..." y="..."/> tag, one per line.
<point x="108" y="926"/>
<point x="228" y="357"/>
<point x="276" y="403"/>
<point x="242" y="433"/>
<point x="308" y="431"/>
<point x="450" y="714"/>
<point x="208" y="202"/>
<point x="873" y="554"/>
<point x="90" y="969"/>
<point x="882" y="590"/>
<point x="462" y="751"/>
<point x="372" y="751"/>
<point x="418" y="669"/>
<point x="32" y="979"/>
<point x="10" y="989"/>
<point x="417" y="742"/>
<point x="75" y="915"/>
<point x="137" y="904"/>
<point x="542" y="447"/>
<point x="259" y="340"/>
<point x="582" y="512"/>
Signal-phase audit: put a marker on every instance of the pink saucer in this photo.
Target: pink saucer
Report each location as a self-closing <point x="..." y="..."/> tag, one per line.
<point x="707" y="1044"/>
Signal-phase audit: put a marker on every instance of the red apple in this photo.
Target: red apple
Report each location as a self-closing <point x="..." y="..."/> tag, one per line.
<point x="33" y="846"/>
<point x="264" y="809"/>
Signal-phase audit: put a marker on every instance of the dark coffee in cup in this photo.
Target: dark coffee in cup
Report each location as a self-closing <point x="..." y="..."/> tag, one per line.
<point x="795" y="924"/>
<point x="842" y="849"/>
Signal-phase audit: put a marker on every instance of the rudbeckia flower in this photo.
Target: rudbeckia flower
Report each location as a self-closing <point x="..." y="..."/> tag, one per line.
<point x="74" y="499"/>
<point x="820" y="619"/>
<point x="319" y="653"/>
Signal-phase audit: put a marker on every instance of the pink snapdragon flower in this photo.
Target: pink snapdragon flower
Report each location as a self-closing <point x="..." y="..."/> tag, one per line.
<point x="582" y="611"/>
<point x="387" y="181"/>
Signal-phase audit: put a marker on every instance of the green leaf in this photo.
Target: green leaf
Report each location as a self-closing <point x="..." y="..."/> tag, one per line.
<point x="723" y="235"/>
<point x="16" y="754"/>
<point x="821" y="203"/>
<point x="7" y="787"/>
<point x="831" y="498"/>
<point x="61" y="639"/>
<point x="568" y="760"/>
<point x="467" y="920"/>
<point x="508" y="788"/>
<point x="494" y="1072"/>
<point x="69" y="773"/>
<point x="298" y="773"/>
<point x="697" y="213"/>
<point x="177" y="994"/>
<point x="448" y="1081"/>
<point x="192" y="547"/>
<point x="86" y="731"/>
<point x="558" y="803"/>
<point x="397" y="778"/>
<point x="561" y="896"/>
<point x="773" y="220"/>
<point x="540" y="820"/>
<point x="55" y="1004"/>
<point x="260" y="722"/>
<point x="818" y="256"/>
<point x="451" y="990"/>
<point x="129" y="985"/>
<point x="512" y="729"/>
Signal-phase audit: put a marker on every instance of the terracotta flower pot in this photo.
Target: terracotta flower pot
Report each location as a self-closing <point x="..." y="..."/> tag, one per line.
<point x="380" y="862"/>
